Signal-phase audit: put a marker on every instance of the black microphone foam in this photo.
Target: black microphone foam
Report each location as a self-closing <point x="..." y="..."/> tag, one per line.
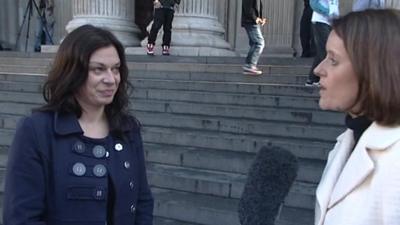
<point x="269" y="179"/>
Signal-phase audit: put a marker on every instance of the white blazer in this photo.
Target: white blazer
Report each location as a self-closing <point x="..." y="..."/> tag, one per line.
<point x="361" y="187"/>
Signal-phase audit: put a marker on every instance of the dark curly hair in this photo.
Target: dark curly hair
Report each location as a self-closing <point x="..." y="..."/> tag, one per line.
<point x="70" y="69"/>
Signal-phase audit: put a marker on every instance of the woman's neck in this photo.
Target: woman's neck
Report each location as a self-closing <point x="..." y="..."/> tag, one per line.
<point x="94" y="123"/>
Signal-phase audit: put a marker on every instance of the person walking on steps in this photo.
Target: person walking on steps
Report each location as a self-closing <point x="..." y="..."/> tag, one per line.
<point x="252" y="20"/>
<point x="306" y="35"/>
<point x="324" y="12"/>
<point x="163" y="15"/>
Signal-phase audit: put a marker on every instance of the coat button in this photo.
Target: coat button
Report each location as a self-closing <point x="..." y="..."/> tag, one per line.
<point x="133" y="208"/>
<point x="131" y="185"/>
<point x="79" y="147"/>
<point x="99" y="193"/>
<point x="99" y="170"/>
<point x="79" y="169"/>
<point x="118" y="147"/>
<point x="127" y="164"/>
<point x="99" y="151"/>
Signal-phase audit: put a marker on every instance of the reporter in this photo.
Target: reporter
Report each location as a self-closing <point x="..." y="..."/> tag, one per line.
<point x="361" y="77"/>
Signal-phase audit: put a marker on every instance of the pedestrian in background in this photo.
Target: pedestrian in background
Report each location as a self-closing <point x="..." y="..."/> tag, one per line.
<point x="163" y="16"/>
<point x="252" y="20"/>
<point x="306" y="35"/>
<point x="323" y="12"/>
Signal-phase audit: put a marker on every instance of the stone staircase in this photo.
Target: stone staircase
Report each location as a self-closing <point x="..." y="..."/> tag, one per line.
<point x="203" y="122"/>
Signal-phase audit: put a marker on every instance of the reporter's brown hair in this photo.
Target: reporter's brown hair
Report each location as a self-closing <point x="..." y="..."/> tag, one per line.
<point x="372" y="40"/>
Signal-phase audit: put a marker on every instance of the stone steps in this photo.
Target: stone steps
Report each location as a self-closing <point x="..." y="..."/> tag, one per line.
<point x="234" y="76"/>
<point x="165" y="221"/>
<point x="233" y="99"/>
<point x="291" y="115"/>
<point x="32" y="58"/>
<point x="203" y="122"/>
<point x="187" y="70"/>
<point x="222" y="161"/>
<point x="193" y="123"/>
<point x="193" y="97"/>
<point x="170" y="70"/>
<point x="6" y="136"/>
<point x="225" y="87"/>
<point x="222" y="184"/>
<point x="211" y="210"/>
<point x="194" y="107"/>
<point x="195" y="208"/>
<point x="271" y="75"/>
<point x="200" y="157"/>
<point x="241" y="144"/>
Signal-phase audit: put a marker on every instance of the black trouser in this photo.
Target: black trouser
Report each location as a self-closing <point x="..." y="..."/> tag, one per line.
<point x="162" y="17"/>
<point x="321" y="32"/>
<point x="306" y="36"/>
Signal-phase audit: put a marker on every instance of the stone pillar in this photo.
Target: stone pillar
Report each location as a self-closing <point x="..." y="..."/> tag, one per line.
<point x="115" y="15"/>
<point x="9" y="23"/>
<point x="196" y="28"/>
<point x="279" y="31"/>
<point x="62" y="14"/>
<point x="395" y="4"/>
<point x="196" y="24"/>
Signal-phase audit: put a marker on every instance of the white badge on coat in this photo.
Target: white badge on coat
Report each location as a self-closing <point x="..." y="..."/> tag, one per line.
<point x="118" y="147"/>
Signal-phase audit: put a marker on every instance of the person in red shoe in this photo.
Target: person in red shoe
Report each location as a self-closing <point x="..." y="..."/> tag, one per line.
<point x="252" y="20"/>
<point x="163" y="16"/>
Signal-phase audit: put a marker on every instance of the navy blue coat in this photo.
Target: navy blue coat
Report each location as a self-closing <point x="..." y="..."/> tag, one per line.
<point x="56" y="176"/>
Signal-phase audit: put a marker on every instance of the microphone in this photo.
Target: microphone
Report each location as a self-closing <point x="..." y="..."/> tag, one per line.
<point x="269" y="179"/>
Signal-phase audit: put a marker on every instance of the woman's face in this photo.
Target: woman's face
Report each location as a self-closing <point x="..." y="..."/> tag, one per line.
<point x="339" y="84"/>
<point x="103" y="79"/>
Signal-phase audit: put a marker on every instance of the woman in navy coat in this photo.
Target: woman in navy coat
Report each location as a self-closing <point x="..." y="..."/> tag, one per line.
<point x="78" y="160"/>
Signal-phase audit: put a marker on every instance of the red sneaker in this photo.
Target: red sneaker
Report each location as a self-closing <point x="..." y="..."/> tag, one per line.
<point x="251" y="70"/>
<point x="150" y="49"/>
<point x="165" y="50"/>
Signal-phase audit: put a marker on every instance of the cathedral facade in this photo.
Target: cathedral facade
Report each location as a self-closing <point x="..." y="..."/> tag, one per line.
<point x="200" y="27"/>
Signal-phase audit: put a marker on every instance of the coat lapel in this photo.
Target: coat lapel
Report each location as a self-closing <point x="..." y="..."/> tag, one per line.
<point x="336" y="161"/>
<point x="358" y="167"/>
<point x="360" y="164"/>
<point x="343" y="174"/>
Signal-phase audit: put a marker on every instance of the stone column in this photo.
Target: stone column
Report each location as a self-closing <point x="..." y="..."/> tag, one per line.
<point x="279" y="31"/>
<point x="10" y="23"/>
<point x="393" y="4"/>
<point x="115" y="15"/>
<point x="196" y="24"/>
